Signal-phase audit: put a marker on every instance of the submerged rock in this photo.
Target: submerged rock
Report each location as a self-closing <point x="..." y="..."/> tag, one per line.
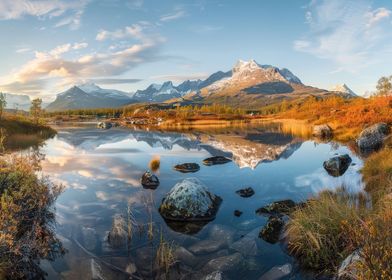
<point x="277" y="272"/>
<point x="247" y="192"/>
<point x="117" y="236"/>
<point x="207" y="246"/>
<point x="216" y="275"/>
<point x="187" y="167"/>
<point x="237" y="213"/>
<point x="104" y="125"/>
<point x="322" y="130"/>
<point x="216" y="160"/>
<point x="271" y="231"/>
<point x="281" y="207"/>
<point x="372" y="137"/>
<point x="247" y="245"/>
<point x="225" y="263"/>
<point x="186" y="257"/>
<point x="190" y="200"/>
<point x="338" y="165"/>
<point x="149" y="180"/>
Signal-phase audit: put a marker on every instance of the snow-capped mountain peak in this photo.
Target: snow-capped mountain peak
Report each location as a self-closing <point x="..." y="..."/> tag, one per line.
<point x="89" y="87"/>
<point x="242" y="66"/>
<point x="344" y="89"/>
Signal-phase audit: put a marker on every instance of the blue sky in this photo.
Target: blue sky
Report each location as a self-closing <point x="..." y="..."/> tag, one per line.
<point x="48" y="45"/>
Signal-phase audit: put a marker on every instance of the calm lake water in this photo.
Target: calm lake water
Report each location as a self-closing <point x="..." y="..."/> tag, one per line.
<point x="101" y="170"/>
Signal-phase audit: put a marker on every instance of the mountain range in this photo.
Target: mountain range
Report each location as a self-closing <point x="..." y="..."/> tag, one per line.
<point x="248" y="84"/>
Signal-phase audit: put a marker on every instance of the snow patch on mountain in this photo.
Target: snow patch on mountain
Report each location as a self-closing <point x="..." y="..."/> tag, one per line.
<point x="343" y="88"/>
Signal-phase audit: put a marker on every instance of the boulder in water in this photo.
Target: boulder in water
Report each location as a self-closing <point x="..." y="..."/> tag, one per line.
<point x="338" y="165"/>
<point x="188" y="201"/>
<point x="372" y="137"/>
<point x="281" y="207"/>
<point x="187" y="167"/>
<point x="104" y="125"/>
<point x="247" y="192"/>
<point x="271" y="231"/>
<point x="149" y="180"/>
<point x="216" y="160"/>
<point x="237" y="213"/>
<point x="322" y="130"/>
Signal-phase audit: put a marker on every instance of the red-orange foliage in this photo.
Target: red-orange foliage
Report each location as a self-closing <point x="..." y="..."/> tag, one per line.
<point x="342" y="113"/>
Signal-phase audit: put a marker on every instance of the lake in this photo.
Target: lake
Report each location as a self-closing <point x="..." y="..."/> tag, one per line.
<point x="101" y="170"/>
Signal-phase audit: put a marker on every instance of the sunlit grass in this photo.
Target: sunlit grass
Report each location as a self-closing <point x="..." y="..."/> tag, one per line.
<point x="315" y="233"/>
<point x="377" y="173"/>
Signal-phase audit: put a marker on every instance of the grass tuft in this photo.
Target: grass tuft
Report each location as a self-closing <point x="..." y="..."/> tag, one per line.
<point x="315" y="234"/>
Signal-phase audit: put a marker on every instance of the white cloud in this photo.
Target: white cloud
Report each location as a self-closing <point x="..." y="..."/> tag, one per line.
<point x="16" y="9"/>
<point x="377" y="15"/>
<point x="348" y="33"/>
<point x="173" y="16"/>
<point x="78" y="46"/>
<point x="23" y="50"/>
<point x="132" y="31"/>
<point x="73" y="21"/>
<point x="52" y="65"/>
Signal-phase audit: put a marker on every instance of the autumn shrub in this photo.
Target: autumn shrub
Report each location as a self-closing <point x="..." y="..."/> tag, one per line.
<point x="26" y="219"/>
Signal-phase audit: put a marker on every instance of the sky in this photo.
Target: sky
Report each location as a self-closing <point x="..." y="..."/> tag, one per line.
<point x="47" y="45"/>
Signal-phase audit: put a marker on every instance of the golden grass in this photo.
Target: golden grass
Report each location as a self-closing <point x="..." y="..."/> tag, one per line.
<point x="377" y="173"/>
<point x="315" y="232"/>
<point x="374" y="238"/>
<point x="165" y="256"/>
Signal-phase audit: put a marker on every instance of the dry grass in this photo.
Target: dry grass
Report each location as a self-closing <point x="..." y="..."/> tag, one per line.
<point x="377" y="173"/>
<point x="315" y="233"/>
<point x="165" y="256"/>
<point x="374" y="238"/>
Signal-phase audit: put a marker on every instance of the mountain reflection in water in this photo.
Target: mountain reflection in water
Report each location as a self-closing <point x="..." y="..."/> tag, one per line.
<point x="102" y="169"/>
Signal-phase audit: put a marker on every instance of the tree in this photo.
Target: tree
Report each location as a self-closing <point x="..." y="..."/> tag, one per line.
<point x="3" y="103"/>
<point x="36" y="109"/>
<point x="384" y="86"/>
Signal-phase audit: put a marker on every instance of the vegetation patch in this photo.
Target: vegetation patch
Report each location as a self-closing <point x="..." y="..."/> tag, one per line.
<point x="315" y="233"/>
<point x="26" y="219"/>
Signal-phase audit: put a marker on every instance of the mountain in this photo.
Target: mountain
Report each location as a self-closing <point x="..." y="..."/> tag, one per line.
<point x="254" y="85"/>
<point x="344" y="89"/>
<point x="249" y="75"/>
<point x="167" y="91"/>
<point x="16" y="101"/>
<point x="157" y="93"/>
<point x="89" y="96"/>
